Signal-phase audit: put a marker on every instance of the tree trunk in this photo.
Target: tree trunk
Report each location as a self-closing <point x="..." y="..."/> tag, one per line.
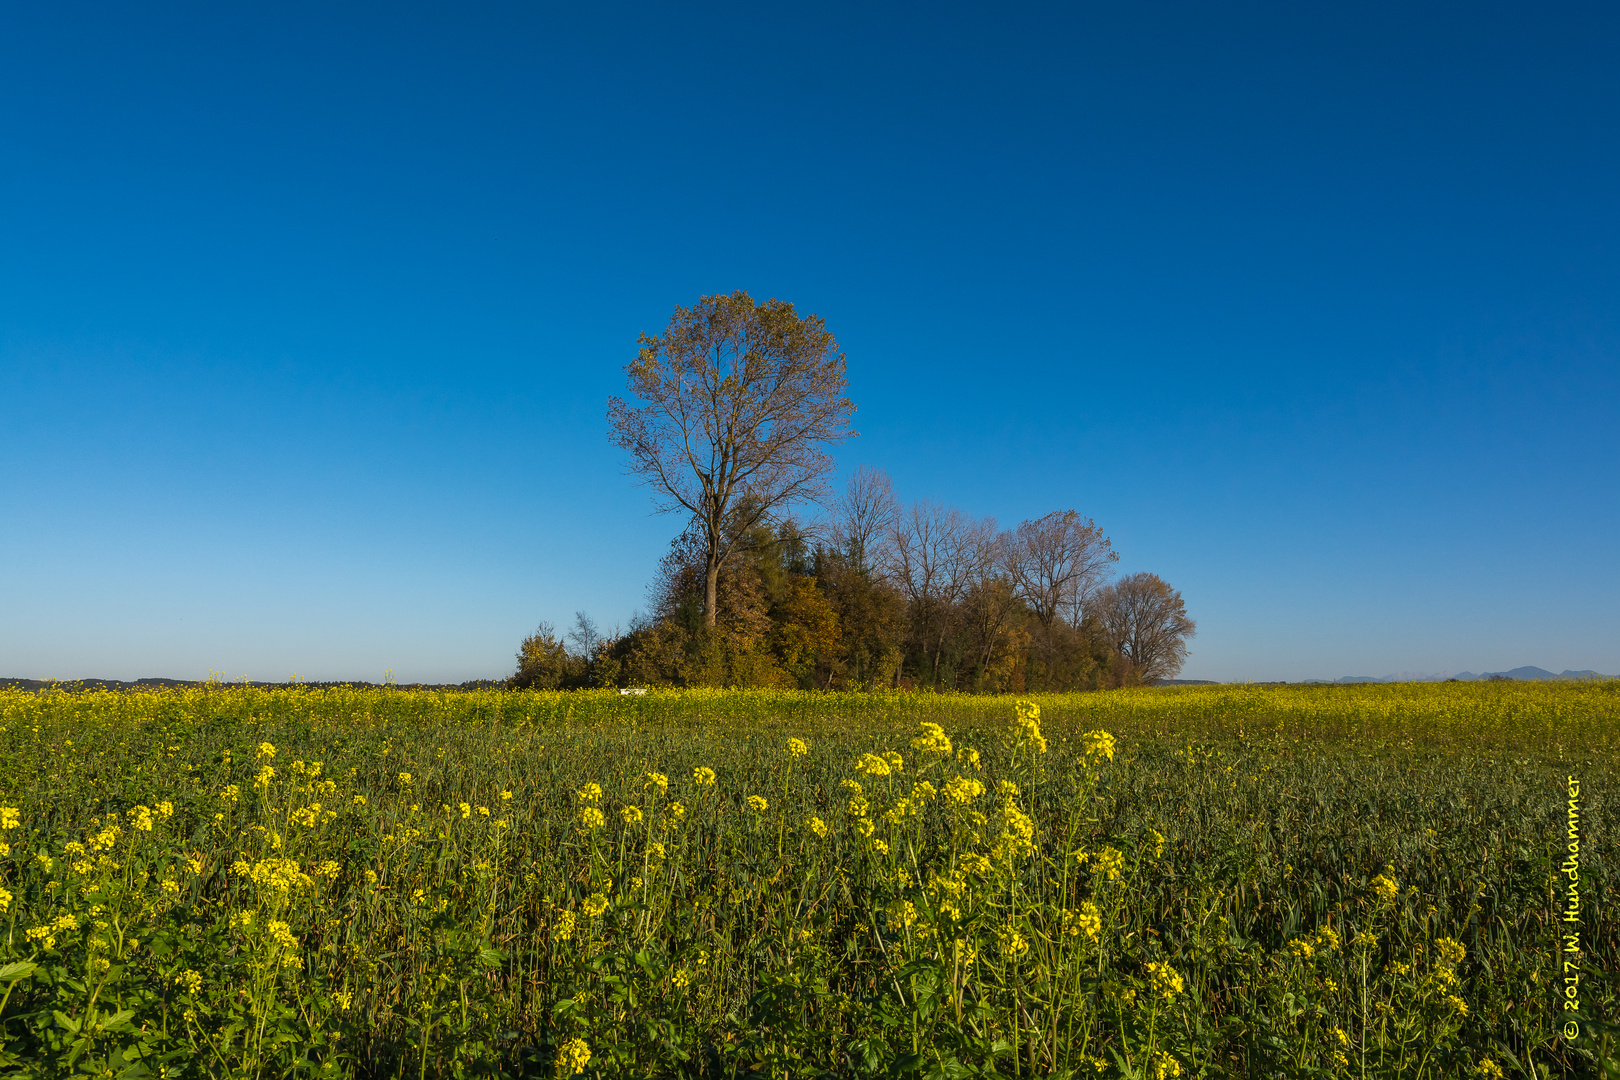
<point x="711" y="590"/>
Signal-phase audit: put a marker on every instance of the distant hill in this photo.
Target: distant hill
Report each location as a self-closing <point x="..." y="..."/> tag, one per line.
<point x="1518" y="674"/>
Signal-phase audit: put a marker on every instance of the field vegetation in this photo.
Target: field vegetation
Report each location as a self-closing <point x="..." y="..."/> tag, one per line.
<point x="1221" y="881"/>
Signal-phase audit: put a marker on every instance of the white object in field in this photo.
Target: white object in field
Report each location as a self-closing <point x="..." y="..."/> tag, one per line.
<point x="629" y="690"/>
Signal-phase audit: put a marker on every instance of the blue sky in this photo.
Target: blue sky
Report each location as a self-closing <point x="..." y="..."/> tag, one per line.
<point x="309" y="313"/>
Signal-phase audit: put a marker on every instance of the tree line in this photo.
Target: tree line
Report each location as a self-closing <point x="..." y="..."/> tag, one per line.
<point x="736" y="405"/>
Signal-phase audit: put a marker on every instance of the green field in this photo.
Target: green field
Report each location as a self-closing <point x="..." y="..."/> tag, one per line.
<point x="1234" y="881"/>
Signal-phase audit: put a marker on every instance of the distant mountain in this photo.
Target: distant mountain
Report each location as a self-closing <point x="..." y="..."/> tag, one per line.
<point x="1518" y="674"/>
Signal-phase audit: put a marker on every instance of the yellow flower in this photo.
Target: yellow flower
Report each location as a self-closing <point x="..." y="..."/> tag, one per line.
<point x="1108" y="863"/>
<point x="1087" y="921"/>
<point x="1098" y="744"/>
<point x="975" y="864"/>
<point x="903" y="913"/>
<point x="797" y="748"/>
<point x="266" y="750"/>
<point x="563" y="928"/>
<point x="590" y="793"/>
<point x="1165" y="1067"/>
<point x="5" y="899"/>
<point x="466" y="811"/>
<point x="872" y="765"/>
<point x="594" y="904"/>
<point x="1458" y="1005"/>
<point x="703" y="776"/>
<point x="680" y="978"/>
<point x="1488" y="1069"/>
<point x="931" y="739"/>
<point x="405" y="779"/>
<point x="757" y="804"/>
<point x="963" y="789"/>
<point x="1450" y="951"/>
<point x="1029" y="727"/>
<point x="1385" y="887"/>
<point x="656" y="779"/>
<point x="655" y="851"/>
<point x="9" y="817"/>
<point x="505" y="795"/>
<point x="817" y="826"/>
<point x="1013" y="944"/>
<point x="1166" y="980"/>
<point x="573" y="1057"/>
<point x="590" y="817"/>
<point x="631" y="814"/>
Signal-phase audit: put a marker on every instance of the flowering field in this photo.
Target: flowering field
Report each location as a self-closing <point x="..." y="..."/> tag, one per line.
<point x="1224" y="881"/>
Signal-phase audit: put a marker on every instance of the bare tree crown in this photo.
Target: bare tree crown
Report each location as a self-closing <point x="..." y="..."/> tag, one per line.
<point x="739" y="402"/>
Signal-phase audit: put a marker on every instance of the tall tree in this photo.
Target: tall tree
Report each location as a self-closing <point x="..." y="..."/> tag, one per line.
<point x="739" y="402"/>
<point x="866" y="512"/>
<point x="1057" y="562"/>
<point x="1146" y="622"/>
<point x="935" y="554"/>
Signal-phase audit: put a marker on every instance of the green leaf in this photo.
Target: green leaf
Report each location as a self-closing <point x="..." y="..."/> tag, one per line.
<point x="19" y="970"/>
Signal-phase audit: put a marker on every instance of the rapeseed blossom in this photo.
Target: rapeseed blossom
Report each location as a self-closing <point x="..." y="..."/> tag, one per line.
<point x="573" y="1057"/>
<point x="872" y="765"/>
<point x="1098" y="744"/>
<point x="931" y="739"/>
<point x="1385" y="887"/>
<point x="1166" y="980"/>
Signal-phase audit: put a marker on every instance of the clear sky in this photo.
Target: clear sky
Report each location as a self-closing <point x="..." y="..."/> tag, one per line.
<point x="309" y="312"/>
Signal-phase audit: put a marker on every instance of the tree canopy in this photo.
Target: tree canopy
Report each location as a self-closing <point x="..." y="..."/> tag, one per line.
<point x="739" y="402"/>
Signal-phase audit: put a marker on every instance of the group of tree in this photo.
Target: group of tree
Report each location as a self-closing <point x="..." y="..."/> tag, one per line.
<point x="738" y="404"/>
